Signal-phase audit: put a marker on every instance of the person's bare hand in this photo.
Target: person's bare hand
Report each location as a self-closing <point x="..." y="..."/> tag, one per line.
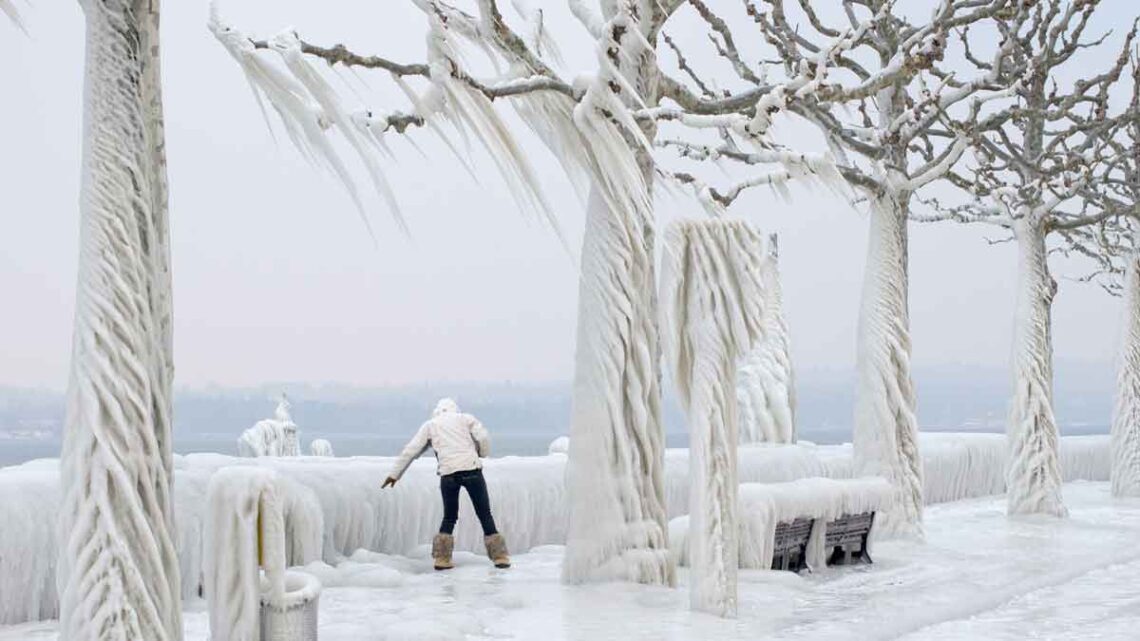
<point x="388" y="482"/>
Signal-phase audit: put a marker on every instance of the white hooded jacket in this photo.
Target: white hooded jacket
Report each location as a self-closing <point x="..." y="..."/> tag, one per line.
<point x="459" y="440"/>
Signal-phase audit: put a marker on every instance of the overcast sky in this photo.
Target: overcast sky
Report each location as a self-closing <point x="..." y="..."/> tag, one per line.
<point x="276" y="279"/>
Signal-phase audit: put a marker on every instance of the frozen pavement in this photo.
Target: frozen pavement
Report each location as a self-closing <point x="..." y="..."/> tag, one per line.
<point x="979" y="575"/>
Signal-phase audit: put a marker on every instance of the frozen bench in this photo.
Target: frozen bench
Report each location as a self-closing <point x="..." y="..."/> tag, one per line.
<point x="800" y="524"/>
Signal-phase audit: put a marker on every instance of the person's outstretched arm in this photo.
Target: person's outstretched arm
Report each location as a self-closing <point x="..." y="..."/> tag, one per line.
<point x="481" y="437"/>
<point x="418" y="445"/>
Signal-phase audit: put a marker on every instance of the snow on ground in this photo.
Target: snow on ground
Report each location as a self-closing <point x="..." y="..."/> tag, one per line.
<point x="979" y="575"/>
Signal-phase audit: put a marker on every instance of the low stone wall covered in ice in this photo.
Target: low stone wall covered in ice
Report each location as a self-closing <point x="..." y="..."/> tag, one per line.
<point x="342" y="498"/>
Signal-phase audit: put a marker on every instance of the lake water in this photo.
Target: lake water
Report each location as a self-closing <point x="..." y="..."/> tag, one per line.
<point x="13" y="452"/>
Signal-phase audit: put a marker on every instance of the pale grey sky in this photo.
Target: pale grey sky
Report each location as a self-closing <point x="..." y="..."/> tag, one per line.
<point x="276" y="279"/>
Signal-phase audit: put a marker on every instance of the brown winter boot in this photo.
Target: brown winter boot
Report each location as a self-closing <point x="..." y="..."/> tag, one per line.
<point x="497" y="550"/>
<point x="441" y="547"/>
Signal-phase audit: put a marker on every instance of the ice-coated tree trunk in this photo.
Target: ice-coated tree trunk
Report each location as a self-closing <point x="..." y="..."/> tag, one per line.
<point x="765" y="386"/>
<point x="713" y="302"/>
<point x="617" y="525"/>
<point x="886" y="430"/>
<point x="1033" y="475"/>
<point x="1126" y="415"/>
<point x="119" y="576"/>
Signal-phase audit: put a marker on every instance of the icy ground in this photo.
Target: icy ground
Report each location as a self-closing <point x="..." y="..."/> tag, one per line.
<point x="979" y="575"/>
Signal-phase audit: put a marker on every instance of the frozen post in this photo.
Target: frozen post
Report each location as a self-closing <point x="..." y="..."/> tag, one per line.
<point x="712" y="295"/>
<point x="118" y="570"/>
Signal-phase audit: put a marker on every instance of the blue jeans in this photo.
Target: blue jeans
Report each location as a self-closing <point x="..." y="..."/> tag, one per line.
<point x="472" y="481"/>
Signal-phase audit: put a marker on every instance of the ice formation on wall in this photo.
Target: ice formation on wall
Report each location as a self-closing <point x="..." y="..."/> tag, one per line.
<point x="713" y="302"/>
<point x="765" y="386"/>
<point x="245" y="531"/>
<point x="1126" y="417"/>
<point x="332" y="508"/>
<point x="320" y="447"/>
<point x="1033" y="474"/>
<point x="277" y="436"/>
<point x="886" y="429"/>
<point x="118" y="568"/>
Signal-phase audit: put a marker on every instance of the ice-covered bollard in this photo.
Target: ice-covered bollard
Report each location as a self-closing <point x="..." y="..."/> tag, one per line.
<point x="320" y="447"/>
<point x="292" y="615"/>
<point x="560" y="445"/>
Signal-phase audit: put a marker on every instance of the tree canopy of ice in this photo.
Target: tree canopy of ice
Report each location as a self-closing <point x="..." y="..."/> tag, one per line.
<point x="765" y="385"/>
<point x="886" y="429"/>
<point x="118" y="566"/>
<point x="245" y="532"/>
<point x="332" y="506"/>
<point x="1126" y="415"/>
<point x="277" y="436"/>
<point x="320" y="447"/>
<point x="713" y="301"/>
<point x="763" y="506"/>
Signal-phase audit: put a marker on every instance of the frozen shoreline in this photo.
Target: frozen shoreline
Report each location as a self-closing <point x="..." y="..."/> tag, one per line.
<point x="342" y="498"/>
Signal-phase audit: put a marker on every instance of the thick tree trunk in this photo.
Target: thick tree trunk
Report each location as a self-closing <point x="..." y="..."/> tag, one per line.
<point x="886" y="430"/>
<point x="119" y="576"/>
<point x="617" y="527"/>
<point x="765" y="387"/>
<point x="1126" y="417"/>
<point x="1033" y="475"/>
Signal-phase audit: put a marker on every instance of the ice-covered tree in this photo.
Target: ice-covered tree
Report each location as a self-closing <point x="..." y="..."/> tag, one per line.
<point x="765" y="384"/>
<point x="871" y="78"/>
<point x="1113" y="245"/>
<point x="118" y="570"/>
<point x="714" y="305"/>
<point x="603" y="128"/>
<point x="1035" y="158"/>
<point x="1125" y="440"/>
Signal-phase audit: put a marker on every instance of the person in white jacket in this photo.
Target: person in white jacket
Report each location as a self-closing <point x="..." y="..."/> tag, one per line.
<point x="459" y="441"/>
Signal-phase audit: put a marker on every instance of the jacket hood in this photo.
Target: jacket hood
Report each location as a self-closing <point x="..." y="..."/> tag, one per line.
<point x="445" y="406"/>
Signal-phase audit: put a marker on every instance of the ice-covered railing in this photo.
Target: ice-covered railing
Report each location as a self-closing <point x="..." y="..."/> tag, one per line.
<point x="528" y="494"/>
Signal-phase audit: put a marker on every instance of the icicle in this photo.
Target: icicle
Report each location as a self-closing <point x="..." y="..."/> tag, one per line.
<point x="288" y="46"/>
<point x="9" y="9"/>
<point x="713" y="302"/>
<point x="765" y="383"/>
